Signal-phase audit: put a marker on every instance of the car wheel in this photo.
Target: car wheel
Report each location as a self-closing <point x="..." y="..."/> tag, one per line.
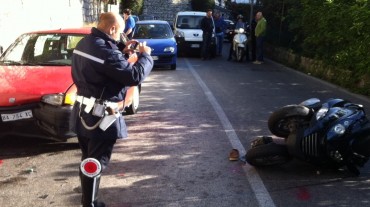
<point x="173" y="66"/>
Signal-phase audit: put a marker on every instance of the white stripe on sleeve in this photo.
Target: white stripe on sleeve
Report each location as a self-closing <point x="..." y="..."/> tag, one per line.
<point x="88" y="56"/>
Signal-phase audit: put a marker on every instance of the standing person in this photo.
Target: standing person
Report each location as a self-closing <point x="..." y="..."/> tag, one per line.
<point x="207" y="27"/>
<point x="260" y="33"/>
<point x="101" y="73"/>
<point x="129" y="23"/>
<point x="239" y="24"/>
<point x="220" y="25"/>
<point x="253" y="39"/>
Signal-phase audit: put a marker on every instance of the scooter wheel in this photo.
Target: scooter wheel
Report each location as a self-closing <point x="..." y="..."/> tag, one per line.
<point x="268" y="155"/>
<point x="281" y="121"/>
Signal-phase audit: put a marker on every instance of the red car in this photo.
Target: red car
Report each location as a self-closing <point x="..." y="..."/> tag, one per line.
<point x="36" y="88"/>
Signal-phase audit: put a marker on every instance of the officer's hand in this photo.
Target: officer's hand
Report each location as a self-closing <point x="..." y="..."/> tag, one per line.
<point x="144" y="48"/>
<point x="131" y="45"/>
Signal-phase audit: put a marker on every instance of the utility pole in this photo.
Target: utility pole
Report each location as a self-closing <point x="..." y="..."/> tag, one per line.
<point x="251" y="12"/>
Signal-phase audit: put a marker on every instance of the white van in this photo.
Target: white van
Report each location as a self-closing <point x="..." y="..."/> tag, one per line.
<point x="188" y="33"/>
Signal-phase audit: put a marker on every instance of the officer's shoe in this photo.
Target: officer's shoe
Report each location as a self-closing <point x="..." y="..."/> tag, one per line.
<point x="99" y="204"/>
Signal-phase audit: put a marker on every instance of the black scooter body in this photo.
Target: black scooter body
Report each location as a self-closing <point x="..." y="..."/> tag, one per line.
<point x="336" y="133"/>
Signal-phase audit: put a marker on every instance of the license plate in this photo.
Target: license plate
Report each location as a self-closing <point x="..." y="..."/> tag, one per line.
<point x="195" y="45"/>
<point x="155" y="57"/>
<point x="17" y="116"/>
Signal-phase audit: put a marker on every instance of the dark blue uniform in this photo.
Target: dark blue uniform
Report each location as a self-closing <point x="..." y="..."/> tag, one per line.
<point x="100" y="70"/>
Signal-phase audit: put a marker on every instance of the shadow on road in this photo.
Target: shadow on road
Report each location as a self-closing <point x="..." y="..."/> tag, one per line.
<point x="17" y="147"/>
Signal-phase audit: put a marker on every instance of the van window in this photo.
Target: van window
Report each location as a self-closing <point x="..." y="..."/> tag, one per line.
<point x="189" y="22"/>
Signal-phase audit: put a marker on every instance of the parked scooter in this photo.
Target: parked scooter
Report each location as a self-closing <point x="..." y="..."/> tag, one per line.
<point x="332" y="134"/>
<point x="240" y="46"/>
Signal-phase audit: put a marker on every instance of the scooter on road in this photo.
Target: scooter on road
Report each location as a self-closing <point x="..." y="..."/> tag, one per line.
<point x="333" y="134"/>
<point x="240" y="47"/>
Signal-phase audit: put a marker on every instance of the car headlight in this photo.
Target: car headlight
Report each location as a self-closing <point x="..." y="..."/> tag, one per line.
<point x="53" y="99"/>
<point x="59" y="99"/>
<point x="169" y="49"/>
<point x="339" y="129"/>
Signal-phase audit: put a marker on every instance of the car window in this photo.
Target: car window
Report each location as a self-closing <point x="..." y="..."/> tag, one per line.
<point x="189" y="22"/>
<point x="152" y="31"/>
<point x="42" y="49"/>
<point x="14" y="54"/>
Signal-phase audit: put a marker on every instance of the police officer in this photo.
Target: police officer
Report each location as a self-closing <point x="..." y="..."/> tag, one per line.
<point x="101" y="73"/>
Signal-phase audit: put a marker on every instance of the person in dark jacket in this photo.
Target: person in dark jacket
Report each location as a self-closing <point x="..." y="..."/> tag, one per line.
<point x="101" y="73"/>
<point x="221" y="26"/>
<point x="253" y="39"/>
<point x="207" y="27"/>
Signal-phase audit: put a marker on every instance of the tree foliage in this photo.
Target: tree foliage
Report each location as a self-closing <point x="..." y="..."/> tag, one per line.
<point x="202" y="5"/>
<point x="342" y="33"/>
<point x="136" y="6"/>
<point x="334" y="31"/>
<point x="236" y="9"/>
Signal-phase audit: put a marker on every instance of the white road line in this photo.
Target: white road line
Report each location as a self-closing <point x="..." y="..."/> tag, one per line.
<point x="259" y="189"/>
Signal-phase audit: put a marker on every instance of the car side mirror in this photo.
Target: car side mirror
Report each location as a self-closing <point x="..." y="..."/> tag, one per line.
<point x="1" y="50"/>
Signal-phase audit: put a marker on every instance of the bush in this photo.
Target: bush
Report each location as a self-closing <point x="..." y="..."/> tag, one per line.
<point x="335" y="32"/>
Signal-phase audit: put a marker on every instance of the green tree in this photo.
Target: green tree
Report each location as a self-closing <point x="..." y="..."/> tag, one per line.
<point x="236" y="9"/>
<point x="202" y="5"/>
<point x="136" y="6"/>
<point x="336" y="32"/>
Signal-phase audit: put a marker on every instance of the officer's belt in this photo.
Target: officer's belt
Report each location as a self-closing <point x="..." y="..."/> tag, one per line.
<point x="106" y="120"/>
<point x="89" y="103"/>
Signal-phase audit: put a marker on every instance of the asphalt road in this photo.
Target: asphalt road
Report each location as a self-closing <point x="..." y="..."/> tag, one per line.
<point x="178" y="146"/>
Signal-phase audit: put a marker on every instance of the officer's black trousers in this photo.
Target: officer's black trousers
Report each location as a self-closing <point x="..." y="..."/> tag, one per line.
<point x="100" y="149"/>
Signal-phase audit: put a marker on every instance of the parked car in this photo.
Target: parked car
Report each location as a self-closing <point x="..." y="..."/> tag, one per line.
<point x="37" y="92"/>
<point x="229" y="30"/>
<point x="158" y="35"/>
<point x="189" y="35"/>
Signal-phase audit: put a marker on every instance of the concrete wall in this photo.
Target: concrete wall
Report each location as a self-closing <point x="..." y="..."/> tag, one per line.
<point x="165" y="9"/>
<point x="19" y="16"/>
